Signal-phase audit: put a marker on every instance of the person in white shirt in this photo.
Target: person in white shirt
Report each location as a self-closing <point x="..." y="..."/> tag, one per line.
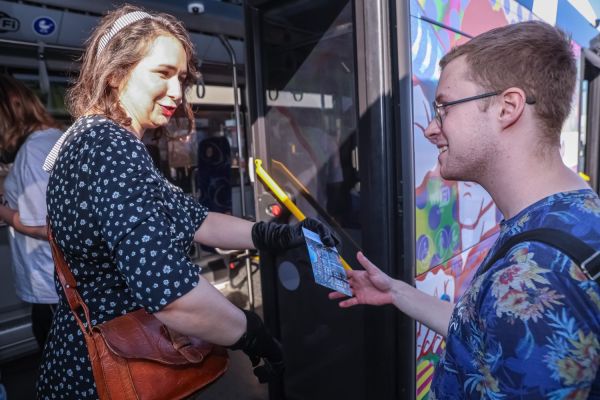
<point x="27" y="134"/>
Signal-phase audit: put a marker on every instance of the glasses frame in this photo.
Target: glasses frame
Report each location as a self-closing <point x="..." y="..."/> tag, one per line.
<point x="437" y="106"/>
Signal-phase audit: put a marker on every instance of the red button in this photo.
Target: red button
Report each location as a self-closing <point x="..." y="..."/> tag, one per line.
<point x="275" y="210"/>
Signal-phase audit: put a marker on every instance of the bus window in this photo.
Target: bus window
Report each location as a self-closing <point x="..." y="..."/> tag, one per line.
<point x="310" y="118"/>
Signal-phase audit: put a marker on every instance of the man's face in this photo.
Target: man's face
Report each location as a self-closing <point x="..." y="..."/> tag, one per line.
<point x="465" y="137"/>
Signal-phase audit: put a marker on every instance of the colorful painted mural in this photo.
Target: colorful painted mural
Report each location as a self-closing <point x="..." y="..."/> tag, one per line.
<point x="446" y="281"/>
<point x="456" y="222"/>
<point x="447" y="222"/>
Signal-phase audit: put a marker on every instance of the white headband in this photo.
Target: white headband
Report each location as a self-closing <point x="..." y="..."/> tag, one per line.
<point x="119" y="24"/>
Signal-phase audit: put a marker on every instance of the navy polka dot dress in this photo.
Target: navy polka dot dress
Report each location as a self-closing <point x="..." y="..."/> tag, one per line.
<point x="125" y="232"/>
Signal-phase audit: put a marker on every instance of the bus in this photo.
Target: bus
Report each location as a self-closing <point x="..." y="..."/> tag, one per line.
<point x="340" y="93"/>
<point x="332" y="97"/>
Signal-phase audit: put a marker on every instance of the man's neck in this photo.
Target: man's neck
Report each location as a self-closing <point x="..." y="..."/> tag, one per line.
<point x="518" y="182"/>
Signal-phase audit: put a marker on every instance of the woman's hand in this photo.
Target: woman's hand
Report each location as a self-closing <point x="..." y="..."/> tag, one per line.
<point x="271" y="236"/>
<point x="370" y="286"/>
<point x="259" y="344"/>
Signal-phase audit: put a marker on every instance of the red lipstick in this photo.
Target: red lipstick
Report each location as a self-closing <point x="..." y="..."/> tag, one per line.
<point x="167" y="111"/>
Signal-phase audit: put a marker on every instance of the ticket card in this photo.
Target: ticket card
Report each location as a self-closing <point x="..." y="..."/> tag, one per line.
<point x="326" y="265"/>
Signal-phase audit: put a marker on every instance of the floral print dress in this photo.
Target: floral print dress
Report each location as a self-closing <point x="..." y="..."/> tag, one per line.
<point x="529" y="327"/>
<point x="125" y="232"/>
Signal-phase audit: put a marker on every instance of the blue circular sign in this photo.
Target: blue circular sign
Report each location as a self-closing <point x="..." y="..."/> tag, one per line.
<point x="44" y="26"/>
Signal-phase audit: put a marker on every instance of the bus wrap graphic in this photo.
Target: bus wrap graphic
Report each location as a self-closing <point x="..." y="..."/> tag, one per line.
<point x="456" y="222"/>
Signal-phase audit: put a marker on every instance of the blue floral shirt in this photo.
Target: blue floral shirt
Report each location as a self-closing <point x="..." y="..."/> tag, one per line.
<point x="530" y="326"/>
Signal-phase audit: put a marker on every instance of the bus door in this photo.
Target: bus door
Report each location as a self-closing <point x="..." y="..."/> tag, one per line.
<point x="325" y="126"/>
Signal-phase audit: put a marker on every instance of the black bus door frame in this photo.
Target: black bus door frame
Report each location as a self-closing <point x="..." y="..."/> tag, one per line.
<point x="386" y="164"/>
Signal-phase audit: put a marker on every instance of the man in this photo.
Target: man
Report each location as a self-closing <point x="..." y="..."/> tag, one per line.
<point x="529" y="326"/>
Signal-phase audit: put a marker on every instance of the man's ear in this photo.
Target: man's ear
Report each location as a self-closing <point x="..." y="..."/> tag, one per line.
<point x="513" y="104"/>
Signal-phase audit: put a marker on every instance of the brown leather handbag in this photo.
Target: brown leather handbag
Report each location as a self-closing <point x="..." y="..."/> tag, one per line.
<point x="135" y="356"/>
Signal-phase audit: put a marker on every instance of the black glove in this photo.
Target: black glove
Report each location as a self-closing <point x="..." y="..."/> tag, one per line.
<point x="258" y="343"/>
<point x="271" y="236"/>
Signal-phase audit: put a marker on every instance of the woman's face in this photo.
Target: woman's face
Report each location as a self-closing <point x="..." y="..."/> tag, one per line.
<point x="153" y="89"/>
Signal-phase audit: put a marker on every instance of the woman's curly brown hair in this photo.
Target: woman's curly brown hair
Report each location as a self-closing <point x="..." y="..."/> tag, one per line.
<point x="93" y="93"/>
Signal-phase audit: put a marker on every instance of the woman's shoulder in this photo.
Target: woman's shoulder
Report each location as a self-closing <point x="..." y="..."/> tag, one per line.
<point x="100" y="133"/>
<point x="99" y="128"/>
<point x="107" y="142"/>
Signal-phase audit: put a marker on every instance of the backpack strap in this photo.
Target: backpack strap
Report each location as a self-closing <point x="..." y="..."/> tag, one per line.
<point x="582" y="254"/>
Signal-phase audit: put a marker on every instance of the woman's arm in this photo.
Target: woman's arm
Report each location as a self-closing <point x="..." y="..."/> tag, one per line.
<point x="204" y="312"/>
<point x="13" y="219"/>
<point x="225" y="231"/>
<point x="228" y="232"/>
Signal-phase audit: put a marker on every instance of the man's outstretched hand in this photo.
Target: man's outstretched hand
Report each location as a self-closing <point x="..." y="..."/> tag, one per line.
<point x="370" y="286"/>
<point x="373" y="287"/>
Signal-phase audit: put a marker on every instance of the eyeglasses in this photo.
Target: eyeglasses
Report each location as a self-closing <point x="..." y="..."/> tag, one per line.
<point x="439" y="109"/>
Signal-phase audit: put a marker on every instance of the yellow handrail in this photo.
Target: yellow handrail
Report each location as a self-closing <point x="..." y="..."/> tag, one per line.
<point x="284" y="198"/>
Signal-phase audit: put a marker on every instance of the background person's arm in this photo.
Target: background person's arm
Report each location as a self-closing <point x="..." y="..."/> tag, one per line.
<point x="12" y="218"/>
<point x="374" y="287"/>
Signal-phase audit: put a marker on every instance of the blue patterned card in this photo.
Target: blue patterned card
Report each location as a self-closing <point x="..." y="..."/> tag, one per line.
<point x="326" y="265"/>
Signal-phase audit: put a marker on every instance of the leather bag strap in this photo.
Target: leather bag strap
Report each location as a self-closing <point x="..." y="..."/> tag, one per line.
<point x="69" y="284"/>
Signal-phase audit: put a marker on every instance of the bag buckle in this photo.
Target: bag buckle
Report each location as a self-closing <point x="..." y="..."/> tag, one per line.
<point x="586" y="271"/>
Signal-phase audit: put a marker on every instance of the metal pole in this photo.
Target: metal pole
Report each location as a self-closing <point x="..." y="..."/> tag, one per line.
<point x="241" y="160"/>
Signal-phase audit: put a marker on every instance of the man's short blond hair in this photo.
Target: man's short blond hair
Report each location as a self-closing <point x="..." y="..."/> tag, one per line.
<point x="533" y="56"/>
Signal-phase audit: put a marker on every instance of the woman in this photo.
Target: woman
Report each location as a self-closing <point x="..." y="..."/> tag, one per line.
<point x="124" y="230"/>
<point x="27" y="133"/>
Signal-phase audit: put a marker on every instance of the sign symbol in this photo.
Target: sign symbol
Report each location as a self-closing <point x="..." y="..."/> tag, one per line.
<point x="8" y="24"/>
<point x="44" y="26"/>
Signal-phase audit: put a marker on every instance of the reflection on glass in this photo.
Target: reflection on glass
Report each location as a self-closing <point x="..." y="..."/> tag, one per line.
<point x="203" y="162"/>
<point x="311" y="116"/>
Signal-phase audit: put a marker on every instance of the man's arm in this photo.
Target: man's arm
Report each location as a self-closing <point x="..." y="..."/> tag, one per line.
<point x="12" y="218"/>
<point x="374" y="287"/>
<point x="429" y="310"/>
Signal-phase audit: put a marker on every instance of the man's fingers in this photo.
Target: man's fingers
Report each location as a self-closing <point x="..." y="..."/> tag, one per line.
<point x="348" y="303"/>
<point x="337" y="295"/>
<point x="364" y="261"/>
